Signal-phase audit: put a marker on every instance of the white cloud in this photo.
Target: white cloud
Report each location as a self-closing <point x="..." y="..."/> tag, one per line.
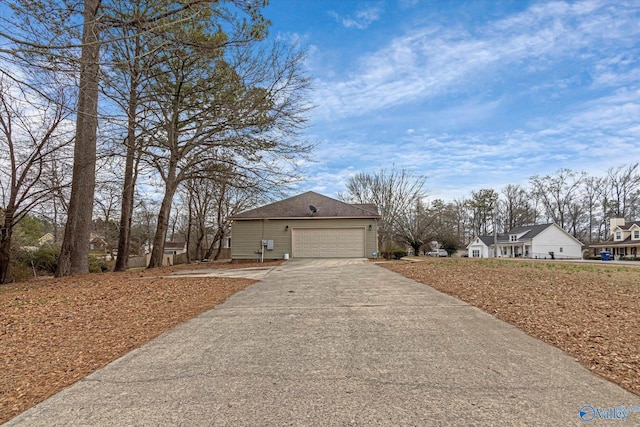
<point x="433" y="61"/>
<point x="362" y="19"/>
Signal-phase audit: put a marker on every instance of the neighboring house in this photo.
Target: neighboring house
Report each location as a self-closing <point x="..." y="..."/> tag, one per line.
<point x="97" y="243"/>
<point x="47" y="238"/>
<point x="306" y="226"/>
<point x="533" y="241"/>
<point x="175" y="247"/>
<point x="481" y="247"/>
<point x="623" y="241"/>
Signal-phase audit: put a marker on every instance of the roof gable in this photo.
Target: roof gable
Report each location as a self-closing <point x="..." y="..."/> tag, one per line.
<point x="628" y="225"/>
<point x="300" y="207"/>
<point x="487" y="240"/>
<point x="526" y="232"/>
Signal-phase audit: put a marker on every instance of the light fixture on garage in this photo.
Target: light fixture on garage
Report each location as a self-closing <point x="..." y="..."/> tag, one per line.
<point x="286" y="228"/>
<point x="369" y="227"/>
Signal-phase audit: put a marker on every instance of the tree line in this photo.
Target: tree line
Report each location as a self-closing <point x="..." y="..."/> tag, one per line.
<point x="116" y="109"/>
<point x="580" y="203"/>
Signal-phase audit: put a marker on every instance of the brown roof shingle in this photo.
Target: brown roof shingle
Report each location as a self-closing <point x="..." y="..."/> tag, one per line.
<point x="300" y="207"/>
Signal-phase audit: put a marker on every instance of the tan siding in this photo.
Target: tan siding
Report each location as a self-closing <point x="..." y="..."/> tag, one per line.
<point x="247" y="234"/>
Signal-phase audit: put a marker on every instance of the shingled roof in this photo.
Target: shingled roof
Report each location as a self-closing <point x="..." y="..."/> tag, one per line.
<point x="530" y="231"/>
<point x="299" y="207"/>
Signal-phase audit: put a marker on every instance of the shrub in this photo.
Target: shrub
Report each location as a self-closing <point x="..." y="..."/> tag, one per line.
<point x="399" y="253"/>
<point x="44" y="259"/>
<point x="97" y="265"/>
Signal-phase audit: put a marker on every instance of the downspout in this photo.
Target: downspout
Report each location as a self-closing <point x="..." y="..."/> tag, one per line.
<point x="261" y="245"/>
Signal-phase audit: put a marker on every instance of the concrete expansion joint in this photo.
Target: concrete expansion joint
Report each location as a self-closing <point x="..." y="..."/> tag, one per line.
<point x="148" y="380"/>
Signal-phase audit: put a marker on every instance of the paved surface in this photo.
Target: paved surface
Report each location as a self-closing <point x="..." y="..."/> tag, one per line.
<point x="255" y="273"/>
<point x="330" y="343"/>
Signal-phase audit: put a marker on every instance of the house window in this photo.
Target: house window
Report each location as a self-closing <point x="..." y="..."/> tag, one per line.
<point x="560" y="249"/>
<point x="636" y="234"/>
<point x="618" y="235"/>
<point x="514" y="238"/>
<point x="476" y="253"/>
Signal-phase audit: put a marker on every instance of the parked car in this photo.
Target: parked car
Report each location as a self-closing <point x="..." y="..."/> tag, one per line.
<point x="439" y="252"/>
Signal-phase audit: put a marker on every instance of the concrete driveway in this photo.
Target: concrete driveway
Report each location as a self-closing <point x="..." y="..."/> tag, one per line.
<point x="337" y="343"/>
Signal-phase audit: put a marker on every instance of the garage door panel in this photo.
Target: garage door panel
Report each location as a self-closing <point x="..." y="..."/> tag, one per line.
<point x="328" y="242"/>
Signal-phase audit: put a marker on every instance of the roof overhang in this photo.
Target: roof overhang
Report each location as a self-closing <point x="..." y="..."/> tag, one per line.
<point x="292" y="218"/>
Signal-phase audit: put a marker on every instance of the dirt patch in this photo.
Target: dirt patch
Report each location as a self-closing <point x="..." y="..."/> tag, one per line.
<point x="56" y="331"/>
<point x="590" y="311"/>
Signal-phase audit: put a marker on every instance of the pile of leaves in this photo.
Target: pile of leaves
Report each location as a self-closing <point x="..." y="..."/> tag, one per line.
<point x="588" y="310"/>
<point x="56" y="331"/>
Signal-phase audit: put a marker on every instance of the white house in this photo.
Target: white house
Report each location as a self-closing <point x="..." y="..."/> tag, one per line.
<point x="542" y="241"/>
<point x="624" y="240"/>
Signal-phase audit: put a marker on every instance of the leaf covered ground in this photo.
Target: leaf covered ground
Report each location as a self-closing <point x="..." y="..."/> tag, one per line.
<point x="591" y="311"/>
<point x="56" y="331"/>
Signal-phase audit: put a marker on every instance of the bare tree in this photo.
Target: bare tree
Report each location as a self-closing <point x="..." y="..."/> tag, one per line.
<point x="74" y="252"/>
<point x="231" y="113"/>
<point x="557" y="193"/>
<point x="517" y="207"/>
<point x="590" y="200"/>
<point x="415" y="227"/>
<point x="624" y="184"/>
<point x="32" y="129"/>
<point x="231" y="198"/>
<point x="484" y="205"/>
<point x="395" y="192"/>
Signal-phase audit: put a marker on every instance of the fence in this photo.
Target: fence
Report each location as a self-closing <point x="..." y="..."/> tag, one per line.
<point x="168" y="259"/>
<point x="143" y="260"/>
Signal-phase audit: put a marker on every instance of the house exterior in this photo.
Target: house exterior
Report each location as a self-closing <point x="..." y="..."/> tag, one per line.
<point x="481" y="247"/>
<point x="46" y="239"/>
<point x="309" y="225"/>
<point x="534" y="241"/>
<point x="97" y="243"/>
<point x="175" y="247"/>
<point x="624" y="240"/>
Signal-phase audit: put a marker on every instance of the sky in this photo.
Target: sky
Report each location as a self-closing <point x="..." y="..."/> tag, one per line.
<point x="469" y="94"/>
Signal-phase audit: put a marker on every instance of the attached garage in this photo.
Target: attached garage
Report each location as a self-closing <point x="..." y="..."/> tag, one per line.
<point x="306" y="226"/>
<point x="328" y="242"/>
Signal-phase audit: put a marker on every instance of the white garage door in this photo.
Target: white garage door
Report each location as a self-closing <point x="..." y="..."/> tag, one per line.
<point x="328" y="242"/>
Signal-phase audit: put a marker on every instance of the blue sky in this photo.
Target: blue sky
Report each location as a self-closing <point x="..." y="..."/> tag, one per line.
<point x="471" y="94"/>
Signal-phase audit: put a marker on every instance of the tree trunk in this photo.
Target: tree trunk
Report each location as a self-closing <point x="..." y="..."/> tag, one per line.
<point x="6" y="230"/>
<point x="416" y="248"/>
<point x="74" y="253"/>
<point x="189" y="226"/>
<point x="217" y="238"/>
<point x="129" y="184"/>
<point x="164" y="213"/>
<point x="219" y="251"/>
<point x="161" y="231"/>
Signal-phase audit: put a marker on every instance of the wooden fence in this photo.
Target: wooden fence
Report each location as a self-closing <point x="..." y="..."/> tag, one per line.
<point x="168" y="259"/>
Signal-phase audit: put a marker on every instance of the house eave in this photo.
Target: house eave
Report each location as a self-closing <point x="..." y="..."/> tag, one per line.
<point x="291" y="218"/>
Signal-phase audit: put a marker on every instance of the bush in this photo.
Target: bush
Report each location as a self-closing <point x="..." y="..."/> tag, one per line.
<point x="19" y="272"/>
<point x="98" y="265"/>
<point x="43" y="259"/>
<point x="399" y="253"/>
